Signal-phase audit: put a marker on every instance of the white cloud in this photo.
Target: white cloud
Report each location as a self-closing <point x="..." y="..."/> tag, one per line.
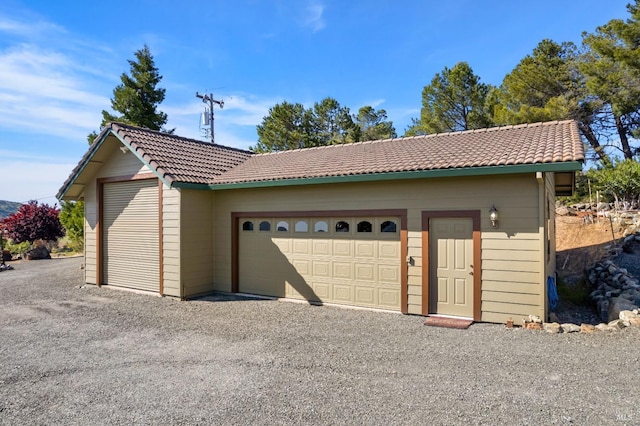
<point x="26" y="180"/>
<point x="46" y="92"/>
<point x="314" y="16"/>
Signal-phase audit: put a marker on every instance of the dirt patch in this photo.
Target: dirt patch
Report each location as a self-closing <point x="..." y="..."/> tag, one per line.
<point x="580" y="244"/>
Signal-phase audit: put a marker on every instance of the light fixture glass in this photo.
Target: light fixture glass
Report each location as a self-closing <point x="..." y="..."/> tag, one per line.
<point x="493" y="216"/>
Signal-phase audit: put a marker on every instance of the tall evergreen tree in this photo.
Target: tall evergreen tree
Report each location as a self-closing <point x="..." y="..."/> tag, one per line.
<point x="455" y="100"/>
<point x="547" y="85"/>
<point x="612" y="68"/>
<point x="373" y="124"/>
<point x="292" y="126"/>
<point x="137" y="97"/>
<point x="287" y="126"/>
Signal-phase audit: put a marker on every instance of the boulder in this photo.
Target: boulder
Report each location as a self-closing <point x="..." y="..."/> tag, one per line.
<point x="37" y="253"/>
<point x="570" y="328"/>
<point x="627" y="315"/>
<point x="552" y="327"/>
<point x="617" y="305"/>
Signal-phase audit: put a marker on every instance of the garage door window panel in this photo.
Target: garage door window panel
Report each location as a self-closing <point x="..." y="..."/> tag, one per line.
<point x="247" y="226"/>
<point x="302" y="226"/>
<point x="265" y="226"/>
<point x="365" y="226"/>
<point x="388" y="226"/>
<point x="282" y="226"/>
<point x="342" y="226"/>
<point x="321" y="226"/>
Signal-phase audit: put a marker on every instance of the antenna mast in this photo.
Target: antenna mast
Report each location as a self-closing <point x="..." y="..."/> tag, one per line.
<point x="207" y="115"/>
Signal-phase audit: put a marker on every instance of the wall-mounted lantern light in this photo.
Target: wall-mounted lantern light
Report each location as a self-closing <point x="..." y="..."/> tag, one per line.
<point x="493" y="215"/>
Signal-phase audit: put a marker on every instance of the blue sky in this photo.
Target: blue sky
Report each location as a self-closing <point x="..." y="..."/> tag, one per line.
<point x="60" y="61"/>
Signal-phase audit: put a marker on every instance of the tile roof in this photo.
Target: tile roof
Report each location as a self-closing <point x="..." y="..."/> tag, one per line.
<point x="549" y="142"/>
<point x="179" y="159"/>
<point x="182" y="160"/>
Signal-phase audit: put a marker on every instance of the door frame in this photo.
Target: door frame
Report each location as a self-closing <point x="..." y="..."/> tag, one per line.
<point x="474" y="215"/>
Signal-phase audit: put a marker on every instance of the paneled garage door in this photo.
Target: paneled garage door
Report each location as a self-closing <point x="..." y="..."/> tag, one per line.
<point x="345" y="260"/>
<point x="131" y="236"/>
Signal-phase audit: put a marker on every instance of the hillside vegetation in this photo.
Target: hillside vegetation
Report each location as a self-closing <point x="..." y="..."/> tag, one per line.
<point x="7" y="208"/>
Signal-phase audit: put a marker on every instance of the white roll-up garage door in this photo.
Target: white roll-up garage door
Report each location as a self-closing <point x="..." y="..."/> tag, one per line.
<point x="131" y="234"/>
<point x="344" y="260"/>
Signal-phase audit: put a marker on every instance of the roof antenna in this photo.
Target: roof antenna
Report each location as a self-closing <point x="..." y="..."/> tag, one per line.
<point x="207" y="115"/>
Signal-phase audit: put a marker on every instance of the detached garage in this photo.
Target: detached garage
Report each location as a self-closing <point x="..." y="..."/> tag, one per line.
<point x="457" y="224"/>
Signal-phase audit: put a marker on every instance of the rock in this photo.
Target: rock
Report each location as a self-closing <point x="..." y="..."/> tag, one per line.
<point x="604" y="327"/>
<point x="634" y="322"/>
<point x="570" y="328"/>
<point x="551" y="327"/>
<point x="617" y="324"/>
<point x="587" y="328"/>
<point x="535" y="318"/>
<point x="627" y="315"/>
<point x="617" y="305"/>
<point x="562" y="211"/>
<point x="37" y="253"/>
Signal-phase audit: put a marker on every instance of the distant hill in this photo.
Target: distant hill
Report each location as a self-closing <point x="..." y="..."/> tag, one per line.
<point x="7" y="208"/>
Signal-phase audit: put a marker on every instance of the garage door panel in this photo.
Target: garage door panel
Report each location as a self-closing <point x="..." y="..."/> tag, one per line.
<point x="284" y="245"/>
<point x="389" y="250"/>
<point x="303" y="266"/>
<point x="130" y="215"/>
<point x="389" y="273"/>
<point x="365" y="272"/>
<point x="321" y="247"/>
<point x="353" y="268"/>
<point x="343" y="248"/>
<point x="343" y="270"/>
<point x="388" y="298"/>
<point x="365" y="295"/>
<point x="365" y="249"/>
<point x="321" y="268"/>
<point x="342" y="293"/>
<point x="301" y="246"/>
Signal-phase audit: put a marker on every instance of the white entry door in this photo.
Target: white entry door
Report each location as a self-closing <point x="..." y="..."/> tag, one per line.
<point x="451" y="266"/>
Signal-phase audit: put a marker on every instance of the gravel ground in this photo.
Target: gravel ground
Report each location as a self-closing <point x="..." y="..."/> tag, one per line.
<point x="74" y="354"/>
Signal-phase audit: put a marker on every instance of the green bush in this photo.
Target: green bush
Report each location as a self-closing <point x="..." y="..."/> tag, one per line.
<point x="16" y="248"/>
<point x="620" y="182"/>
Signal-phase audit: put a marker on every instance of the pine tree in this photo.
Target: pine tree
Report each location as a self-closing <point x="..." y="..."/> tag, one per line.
<point x="138" y="96"/>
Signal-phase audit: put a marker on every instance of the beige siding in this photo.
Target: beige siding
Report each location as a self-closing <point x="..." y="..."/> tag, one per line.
<point x="171" y="242"/>
<point x="90" y="238"/>
<point x="197" y="242"/>
<point x="119" y="163"/>
<point x="512" y="252"/>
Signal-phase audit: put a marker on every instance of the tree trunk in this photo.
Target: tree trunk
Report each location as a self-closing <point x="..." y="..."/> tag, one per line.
<point x="587" y="132"/>
<point x="624" y="141"/>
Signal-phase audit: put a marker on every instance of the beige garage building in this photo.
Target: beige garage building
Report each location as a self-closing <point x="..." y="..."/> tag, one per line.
<point x="402" y="224"/>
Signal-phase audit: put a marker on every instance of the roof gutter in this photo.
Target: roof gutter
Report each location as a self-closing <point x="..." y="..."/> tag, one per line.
<point x="370" y="177"/>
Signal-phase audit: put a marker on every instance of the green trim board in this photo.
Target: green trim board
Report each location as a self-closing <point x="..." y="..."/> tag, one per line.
<point x="458" y="172"/>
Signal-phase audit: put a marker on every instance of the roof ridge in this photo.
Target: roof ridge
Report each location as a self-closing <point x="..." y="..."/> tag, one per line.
<point x="126" y="126"/>
<point x="432" y="135"/>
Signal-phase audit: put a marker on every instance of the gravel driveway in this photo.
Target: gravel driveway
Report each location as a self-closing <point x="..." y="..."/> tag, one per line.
<point x="73" y="354"/>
